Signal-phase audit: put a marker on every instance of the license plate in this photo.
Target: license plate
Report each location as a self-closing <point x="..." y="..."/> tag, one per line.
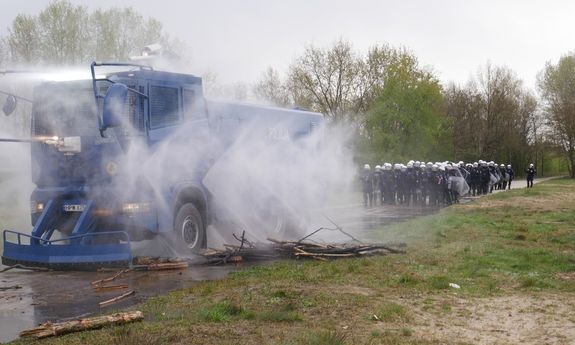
<point x="74" y="208"/>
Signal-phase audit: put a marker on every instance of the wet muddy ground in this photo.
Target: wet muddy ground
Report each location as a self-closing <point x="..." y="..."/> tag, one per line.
<point x="55" y="296"/>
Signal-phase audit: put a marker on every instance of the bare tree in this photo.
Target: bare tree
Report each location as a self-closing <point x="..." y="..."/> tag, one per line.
<point x="326" y="80"/>
<point x="271" y="88"/>
<point x="492" y="117"/>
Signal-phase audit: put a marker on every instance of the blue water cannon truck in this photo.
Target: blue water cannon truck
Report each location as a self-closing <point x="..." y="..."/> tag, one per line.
<point x="89" y="205"/>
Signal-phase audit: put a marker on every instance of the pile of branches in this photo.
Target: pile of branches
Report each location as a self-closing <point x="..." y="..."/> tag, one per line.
<point x="301" y="249"/>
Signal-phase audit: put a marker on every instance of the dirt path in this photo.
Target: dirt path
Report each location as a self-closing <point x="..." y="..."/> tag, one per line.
<point x="514" y="319"/>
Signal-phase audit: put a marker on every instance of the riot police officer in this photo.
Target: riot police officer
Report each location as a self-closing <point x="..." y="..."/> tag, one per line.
<point x="530" y="175"/>
<point x="511" y="175"/>
<point x="367" y="185"/>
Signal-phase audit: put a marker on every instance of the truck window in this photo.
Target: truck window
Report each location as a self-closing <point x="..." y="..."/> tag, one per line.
<point x="164" y="106"/>
<point x="64" y="111"/>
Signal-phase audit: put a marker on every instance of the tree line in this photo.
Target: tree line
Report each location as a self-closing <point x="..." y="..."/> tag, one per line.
<point x="68" y="34"/>
<point x="401" y="111"/>
<point x="397" y="109"/>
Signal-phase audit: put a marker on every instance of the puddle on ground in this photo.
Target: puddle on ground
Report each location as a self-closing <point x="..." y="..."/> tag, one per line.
<point x="56" y="296"/>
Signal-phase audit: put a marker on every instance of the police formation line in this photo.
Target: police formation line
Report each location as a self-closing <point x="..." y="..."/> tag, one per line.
<point x="435" y="184"/>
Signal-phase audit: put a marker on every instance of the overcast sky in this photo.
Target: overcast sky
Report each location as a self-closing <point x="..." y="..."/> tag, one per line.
<point x="238" y="39"/>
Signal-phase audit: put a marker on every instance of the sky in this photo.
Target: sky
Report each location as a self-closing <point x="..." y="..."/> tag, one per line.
<point x="238" y="40"/>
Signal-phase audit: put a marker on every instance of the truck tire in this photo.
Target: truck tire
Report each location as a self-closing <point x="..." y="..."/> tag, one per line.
<point x="190" y="229"/>
<point x="284" y="227"/>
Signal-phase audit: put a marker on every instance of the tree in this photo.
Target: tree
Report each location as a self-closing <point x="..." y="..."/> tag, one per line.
<point x="406" y="120"/>
<point x="119" y="33"/>
<point x="271" y="88"/>
<point x="324" y="79"/>
<point x="336" y="81"/>
<point x="557" y="88"/>
<point x="62" y="33"/>
<point x="24" y="39"/>
<point x="492" y="117"/>
<point x="464" y="108"/>
<point x="3" y="52"/>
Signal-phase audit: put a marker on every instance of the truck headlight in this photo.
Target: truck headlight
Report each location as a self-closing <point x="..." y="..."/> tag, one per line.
<point x="136" y="207"/>
<point x="36" y="207"/>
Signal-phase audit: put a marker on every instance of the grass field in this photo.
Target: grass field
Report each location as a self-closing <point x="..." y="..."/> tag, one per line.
<point x="512" y="254"/>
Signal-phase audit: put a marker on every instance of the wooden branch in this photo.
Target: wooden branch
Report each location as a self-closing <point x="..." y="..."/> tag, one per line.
<point x="326" y="255"/>
<point x="114" y="277"/>
<point x="110" y="287"/>
<point x="299" y="249"/>
<point x="168" y="266"/>
<point x="49" y="329"/>
<point x="13" y="287"/>
<point x="116" y="299"/>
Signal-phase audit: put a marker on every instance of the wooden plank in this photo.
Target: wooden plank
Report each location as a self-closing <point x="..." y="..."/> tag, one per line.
<point x="49" y="329"/>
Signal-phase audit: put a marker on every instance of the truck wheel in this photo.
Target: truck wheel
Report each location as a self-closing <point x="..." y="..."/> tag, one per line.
<point x="190" y="228"/>
<point x="285" y="228"/>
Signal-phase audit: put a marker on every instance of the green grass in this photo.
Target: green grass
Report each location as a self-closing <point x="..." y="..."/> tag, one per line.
<point x="390" y="312"/>
<point x="496" y="246"/>
<point x="223" y="311"/>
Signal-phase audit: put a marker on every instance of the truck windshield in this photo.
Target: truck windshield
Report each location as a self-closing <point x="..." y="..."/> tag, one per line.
<point x="61" y="111"/>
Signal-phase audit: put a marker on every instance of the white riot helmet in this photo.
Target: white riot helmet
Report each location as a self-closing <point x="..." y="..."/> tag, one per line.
<point x="409" y="166"/>
<point x="461" y="163"/>
<point x="475" y="164"/>
<point x="429" y="165"/>
<point x="434" y="167"/>
<point x="377" y="167"/>
<point x="366" y="167"/>
<point x="502" y="165"/>
<point x="508" y="166"/>
<point x="531" y="165"/>
<point x="417" y="164"/>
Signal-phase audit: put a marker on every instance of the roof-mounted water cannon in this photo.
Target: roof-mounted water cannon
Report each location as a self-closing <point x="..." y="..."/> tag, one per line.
<point x="149" y="52"/>
<point x="152" y="49"/>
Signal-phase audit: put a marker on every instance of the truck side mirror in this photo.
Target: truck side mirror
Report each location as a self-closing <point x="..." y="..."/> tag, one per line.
<point x="10" y="105"/>
<point x="114" y="106"/>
